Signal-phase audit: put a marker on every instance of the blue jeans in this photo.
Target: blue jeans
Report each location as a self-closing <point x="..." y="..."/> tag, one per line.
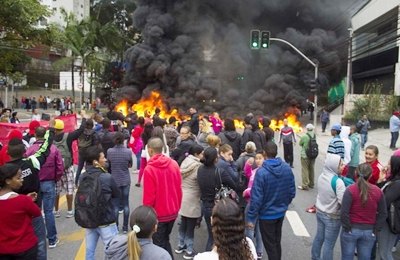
<point x="364" y="139"/>
<point x="48" y="194"/>
<point x="393" y="140"/>
<point x="92" y="236"/>
<point x="124" y="202"/>
<point x="207" y="211"/>
<point x="386" y="240"/>
<point x="186" y="233"/>
<point x="138" y="156"/>
<point x="325" y="239"/>
<point x="254" y="234"/>
<point x="40" y="232"/>
<point x="363" y="240"/>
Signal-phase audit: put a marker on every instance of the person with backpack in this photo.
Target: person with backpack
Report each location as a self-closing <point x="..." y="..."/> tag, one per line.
<point x="94" y="207"/>
<point x="391" y="190"/>
<point x="328" y="205"/>
<point x="363" y="214"/>
<point x="85" y="140"/>
<point x="309" y="151"/>
<point x="288" y="137"/>
<point x="63" y="141"/>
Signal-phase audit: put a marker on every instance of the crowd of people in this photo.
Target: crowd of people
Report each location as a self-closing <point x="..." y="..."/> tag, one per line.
<point x="202" y="168"/>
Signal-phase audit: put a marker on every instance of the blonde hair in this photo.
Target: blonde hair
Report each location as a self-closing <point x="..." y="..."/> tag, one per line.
<point x="206" y="126"/>
<point x="134" y="249"/>
<point x="213" y="140"/>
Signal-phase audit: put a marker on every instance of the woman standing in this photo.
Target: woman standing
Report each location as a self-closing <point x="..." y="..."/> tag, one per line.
<point x="208" y="179"/>
<point x="204" y="131"/>
<point x="226" y="162"/>
<point x="228" y="231"/>
<point x="363" y="214"/>
<point x="328" y="208"/>
<point x="191" y="207"/>
<point x="146" y="135"/>
<point x="17" y="238"/>
<point x="391" y="191"/>
<point x="136" y="142"/>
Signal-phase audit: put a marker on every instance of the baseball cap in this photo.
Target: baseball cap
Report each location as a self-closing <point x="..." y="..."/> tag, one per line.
<point x="336" y="127"/>
<point x="59" y="124"/>
<point x="309" y="127"/>
<point x="32" y="126"/>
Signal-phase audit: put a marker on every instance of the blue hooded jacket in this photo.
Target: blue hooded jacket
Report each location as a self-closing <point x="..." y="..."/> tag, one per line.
<point x="272" y="192"/>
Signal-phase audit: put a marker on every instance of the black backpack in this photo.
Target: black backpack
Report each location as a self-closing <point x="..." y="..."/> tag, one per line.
<point x="312" y="150"/>
<point x="394" y="212"/>
<point x="89" y="202"/>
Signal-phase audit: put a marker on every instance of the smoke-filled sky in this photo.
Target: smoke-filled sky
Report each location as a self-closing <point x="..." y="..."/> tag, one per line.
<point x="194" y="52"/>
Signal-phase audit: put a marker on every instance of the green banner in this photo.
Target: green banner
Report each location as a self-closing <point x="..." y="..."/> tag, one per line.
<point x="337" y="92"/>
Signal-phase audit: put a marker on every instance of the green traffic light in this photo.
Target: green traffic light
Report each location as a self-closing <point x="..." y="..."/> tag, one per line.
<point x="255" y="44"/>
<point x="265" y="45"/>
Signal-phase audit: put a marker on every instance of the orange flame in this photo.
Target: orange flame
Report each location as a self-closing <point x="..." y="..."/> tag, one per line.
<point x="154" y="100"/>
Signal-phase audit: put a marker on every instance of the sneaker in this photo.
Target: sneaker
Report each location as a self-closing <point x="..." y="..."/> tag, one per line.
<point x="54" y="244"/>
<point x="121" y="211"/>
<point x="57" y="214"/>
<point x="180" y="249"/>
<point x="70" y="214"/>
<point x="259" y="256"/>
<point x="189" y="255"/>
<point x="394" y="249"/>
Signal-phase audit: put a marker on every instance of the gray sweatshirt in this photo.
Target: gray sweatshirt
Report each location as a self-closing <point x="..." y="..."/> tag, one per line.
<point x="327" y="200"/>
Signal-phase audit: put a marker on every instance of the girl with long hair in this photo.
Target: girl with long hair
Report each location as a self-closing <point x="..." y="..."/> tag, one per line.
<point x="17" y="237"/>
<point x="371" y="157"/>
<point x="228" y="231"/>
<point x="391" y="191"/>
<point x="363" y="214"/>
<point x="138" y="245"/>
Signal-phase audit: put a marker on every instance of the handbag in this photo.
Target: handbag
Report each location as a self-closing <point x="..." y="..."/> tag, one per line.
<point x="223" y="191"/>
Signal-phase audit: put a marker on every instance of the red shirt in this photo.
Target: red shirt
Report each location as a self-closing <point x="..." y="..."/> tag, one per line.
<point x="162" y="187"/>
<point x="366" y="214"/>
<point x="4" y="157"/>
<point x="16" y="231"/>
<point x="376" y="169"/>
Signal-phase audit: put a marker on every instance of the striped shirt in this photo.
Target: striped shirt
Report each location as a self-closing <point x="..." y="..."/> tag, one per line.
<point x="336" y="146"/>
<point x="120" y="159"/>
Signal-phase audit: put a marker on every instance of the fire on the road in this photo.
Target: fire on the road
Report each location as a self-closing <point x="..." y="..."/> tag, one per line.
<point x="154" y="100"/>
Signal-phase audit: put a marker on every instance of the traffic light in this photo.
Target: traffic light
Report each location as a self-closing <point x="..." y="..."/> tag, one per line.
<point x="255" y="39"/>
<point x="265" y="39"/>
<point x="313" y="85"/>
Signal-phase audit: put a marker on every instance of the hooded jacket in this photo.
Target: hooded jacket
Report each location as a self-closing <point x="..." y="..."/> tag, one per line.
<point x="355" y="149"/>
<point x="327" y="200"/>
<point x="191" y="207"/>
<point x="273" y="190"/>
<point x="232" y="138"/>
<point x="344" y="135"/>
<point x="162" y="188"/>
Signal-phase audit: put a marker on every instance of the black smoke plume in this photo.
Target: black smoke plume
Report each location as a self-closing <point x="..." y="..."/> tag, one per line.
<point x="197" y="53"/>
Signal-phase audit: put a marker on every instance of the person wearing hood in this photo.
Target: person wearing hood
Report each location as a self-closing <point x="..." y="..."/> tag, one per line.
<point x="162" y="190"/>
<point x="231" y="137"/>
<point x="344" y="135"/>
<point x="354" y="152"/>
<point x="191" y="208"/>
<point x="307" y="164"/>
<point x="328" y="206"/>
<point x="272" y="192"/>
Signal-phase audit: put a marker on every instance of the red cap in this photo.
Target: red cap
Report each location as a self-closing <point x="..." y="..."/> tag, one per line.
<point x="15" y="134"/>
<point x="396" y="113"/>
<point x="32" y="126"/>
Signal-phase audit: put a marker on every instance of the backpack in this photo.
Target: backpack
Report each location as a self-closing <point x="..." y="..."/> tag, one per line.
<point x="89" y="201"/>
<point x="394" y="213"/>
<point x="347" y="181"/>
<point x="312" y="150"/>
<point x="86" y="139"/>
<point x="62" y="146"/>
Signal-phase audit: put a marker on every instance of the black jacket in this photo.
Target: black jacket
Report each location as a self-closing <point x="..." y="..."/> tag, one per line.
<point x="232" y="138"/>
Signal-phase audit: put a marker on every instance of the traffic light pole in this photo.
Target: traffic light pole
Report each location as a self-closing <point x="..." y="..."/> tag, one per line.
<point x="315" y="65"/>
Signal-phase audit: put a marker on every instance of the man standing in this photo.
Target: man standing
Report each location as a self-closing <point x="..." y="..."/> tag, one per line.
<point x="363" y="124"/>
<point x="354" y="152"/>
<point x="394" y="125"/>
<point x="194" y="121"/>
<point x="336" y="146"/>
<point x="324" y="119"/>
<point x="49" y="174"/>
<point x="162" y="190"/>
<point x="307" y="164"/>
<point x="288" y="138"/>
<point x="272" y="192"/>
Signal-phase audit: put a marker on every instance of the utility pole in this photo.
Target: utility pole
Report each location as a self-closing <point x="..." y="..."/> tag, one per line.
<point x="315" y="65"/>
<point x="349" y="86"/>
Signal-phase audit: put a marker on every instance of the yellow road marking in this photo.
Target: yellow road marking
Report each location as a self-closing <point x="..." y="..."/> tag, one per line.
<point x="62" y="201"/>
<point x="80" y="255"/>
<point x="74" y="236"/>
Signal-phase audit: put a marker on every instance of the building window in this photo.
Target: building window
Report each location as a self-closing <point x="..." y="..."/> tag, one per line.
<point x="55" y="9"/>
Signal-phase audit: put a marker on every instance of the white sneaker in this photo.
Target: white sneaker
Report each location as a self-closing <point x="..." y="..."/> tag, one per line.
<point x="57" y="214"/>
<point x="70" y="214"/>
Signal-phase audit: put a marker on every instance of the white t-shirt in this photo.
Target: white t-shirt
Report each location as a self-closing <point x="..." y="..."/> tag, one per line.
<point x="213" y="255"/>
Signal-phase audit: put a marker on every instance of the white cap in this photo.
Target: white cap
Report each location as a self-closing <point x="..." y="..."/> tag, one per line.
<point x="309" y="127"/>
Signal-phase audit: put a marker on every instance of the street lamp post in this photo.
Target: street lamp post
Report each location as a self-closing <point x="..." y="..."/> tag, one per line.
<point x="314" y="64"/>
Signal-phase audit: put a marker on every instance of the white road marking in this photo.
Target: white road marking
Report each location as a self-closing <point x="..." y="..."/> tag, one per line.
<point x="297" y="225"/>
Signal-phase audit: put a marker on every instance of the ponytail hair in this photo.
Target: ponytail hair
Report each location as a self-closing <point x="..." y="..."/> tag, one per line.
<point x="142" y="221"/>
<point x="363" y="171"/>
